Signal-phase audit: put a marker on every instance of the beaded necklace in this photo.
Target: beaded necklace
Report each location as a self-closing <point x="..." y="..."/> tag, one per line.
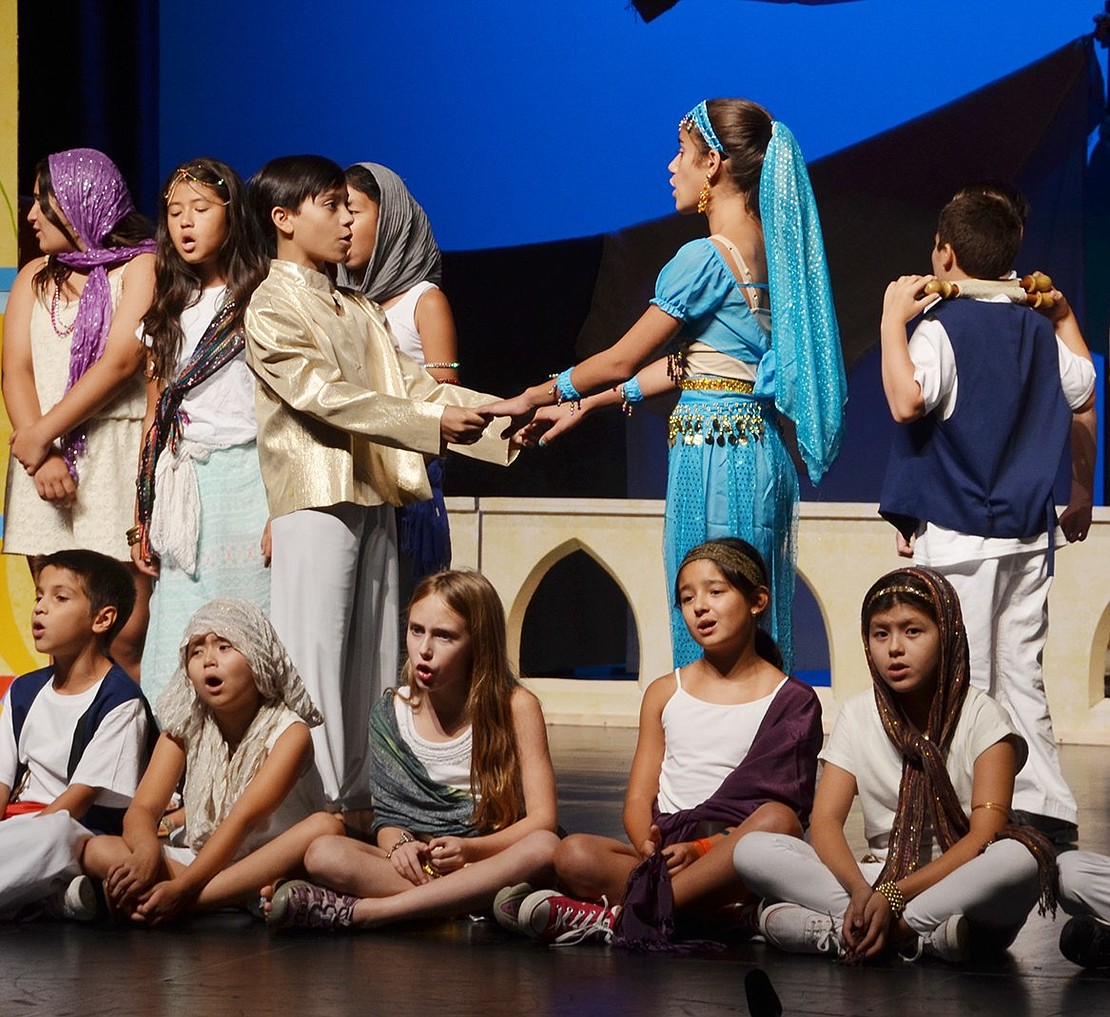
<point x="61" y="333"/>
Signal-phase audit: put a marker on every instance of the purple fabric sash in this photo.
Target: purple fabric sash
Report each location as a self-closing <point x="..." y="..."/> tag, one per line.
<point x="781" y="766"/>
<point x="94" y="197"/>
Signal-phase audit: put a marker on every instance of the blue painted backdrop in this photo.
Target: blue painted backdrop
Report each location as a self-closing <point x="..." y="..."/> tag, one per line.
<point x="515" y="122"/>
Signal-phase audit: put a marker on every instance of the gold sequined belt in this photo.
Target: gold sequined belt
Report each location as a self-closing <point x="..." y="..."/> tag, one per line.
<point x="717" y="424"/>
<point x="716" y="385"/>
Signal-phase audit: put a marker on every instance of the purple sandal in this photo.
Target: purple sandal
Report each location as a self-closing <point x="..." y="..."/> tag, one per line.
<point x="300" y="904"/>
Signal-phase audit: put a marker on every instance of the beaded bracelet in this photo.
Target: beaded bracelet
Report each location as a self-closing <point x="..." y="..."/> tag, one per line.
<point x="630" y="393"/>
<point x="405" y="838"/>
<point x="452" y="365"/>
<point x="564" y="390"/>
<point x="894" y="897"/>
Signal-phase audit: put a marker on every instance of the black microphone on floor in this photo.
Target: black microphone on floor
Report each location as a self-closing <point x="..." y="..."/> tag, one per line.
<point x="763" y="1001"/>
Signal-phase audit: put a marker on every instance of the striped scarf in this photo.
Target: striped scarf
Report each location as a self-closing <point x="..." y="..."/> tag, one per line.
<point x="222" y="341"/>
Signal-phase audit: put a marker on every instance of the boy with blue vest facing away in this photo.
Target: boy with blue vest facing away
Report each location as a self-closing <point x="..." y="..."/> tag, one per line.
<point x="344" y="425"/>
<point x="985" y="391"/>
<point x="74" y="736"/>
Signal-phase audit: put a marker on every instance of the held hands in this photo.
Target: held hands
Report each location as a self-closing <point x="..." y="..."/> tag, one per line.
<point x="128" y="882"/>
<point x="447" y="854"/>
<point x="550" y="422"/>
<point x="519" y="408"/>
<point x="409" y="860"/>
<point x="867" y="925"/>
<point x="163" y="904"/>
<point x="904" y="299"/>
<point x="461" y="425"/>
<point x="53" y="482"/>
<point x="30" y="448"/>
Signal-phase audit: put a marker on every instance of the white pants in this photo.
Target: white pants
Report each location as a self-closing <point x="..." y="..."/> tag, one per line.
<point x="995" y="891"/>
<point x="1085" y="884"/>
<point x="38" y="855"/>
<point x="334" y="603"/>
<point x="1005" y="608"/>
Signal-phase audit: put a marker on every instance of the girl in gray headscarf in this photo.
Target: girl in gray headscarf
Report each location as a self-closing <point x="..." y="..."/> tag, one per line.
<point x="395" y="260"/>
<point x="236" y="721"/>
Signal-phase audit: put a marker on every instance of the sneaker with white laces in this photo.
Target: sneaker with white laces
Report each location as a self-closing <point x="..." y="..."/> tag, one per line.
<point x="950" y="941"/>
<point x="796" y="929"/>
<point x="550" y="917"/>
<point x="77" y="901"/>
<point x="506" y="905"/>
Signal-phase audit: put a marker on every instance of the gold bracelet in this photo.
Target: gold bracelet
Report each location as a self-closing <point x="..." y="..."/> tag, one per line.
<point x="992" y="805"/>
<point x="134" y="535"/>
<point x="405" y="838"/>
<point x="894" y="897"/>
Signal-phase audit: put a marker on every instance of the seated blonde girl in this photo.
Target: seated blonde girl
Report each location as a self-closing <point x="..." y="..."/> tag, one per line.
<point x="464" y="790"/>
<point x="236" y="722"/>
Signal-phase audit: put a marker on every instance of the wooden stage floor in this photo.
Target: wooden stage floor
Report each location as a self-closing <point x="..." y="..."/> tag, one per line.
<point x="228" y="964"/>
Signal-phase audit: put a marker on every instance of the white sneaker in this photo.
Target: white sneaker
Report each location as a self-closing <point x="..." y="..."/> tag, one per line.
<point x="796" y="929"/>
<point x="950" y="941"/>
<point x="77" y="902"/>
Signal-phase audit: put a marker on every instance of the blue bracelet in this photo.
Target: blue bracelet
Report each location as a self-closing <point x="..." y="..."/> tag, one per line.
<point x="632" y="392"/>
<point x="564" y="389"/>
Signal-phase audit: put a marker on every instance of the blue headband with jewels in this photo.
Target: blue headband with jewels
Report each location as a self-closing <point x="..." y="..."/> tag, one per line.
<point x="699" y="117"/>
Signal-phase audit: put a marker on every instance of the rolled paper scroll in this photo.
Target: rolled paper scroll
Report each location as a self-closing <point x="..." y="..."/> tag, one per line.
<point x="1033" y="290"/>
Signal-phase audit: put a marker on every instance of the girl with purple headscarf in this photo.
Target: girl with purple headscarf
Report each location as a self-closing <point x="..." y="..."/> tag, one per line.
<point x="71" y="371"/>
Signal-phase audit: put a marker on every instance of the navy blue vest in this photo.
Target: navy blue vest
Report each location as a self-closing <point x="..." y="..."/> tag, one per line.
<point x="988" y="469"/>
<point x="116" y="688"/>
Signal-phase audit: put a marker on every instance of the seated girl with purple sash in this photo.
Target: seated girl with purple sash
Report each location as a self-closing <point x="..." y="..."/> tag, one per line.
<point x="727" y="745"/>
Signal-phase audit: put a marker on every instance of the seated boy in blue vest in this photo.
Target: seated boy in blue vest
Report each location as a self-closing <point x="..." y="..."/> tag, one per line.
<point x="985" y="391"/>
<point x="74" y="736"/>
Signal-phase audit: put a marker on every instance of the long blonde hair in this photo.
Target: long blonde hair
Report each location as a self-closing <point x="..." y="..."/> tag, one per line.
<point x="494" y="759"/>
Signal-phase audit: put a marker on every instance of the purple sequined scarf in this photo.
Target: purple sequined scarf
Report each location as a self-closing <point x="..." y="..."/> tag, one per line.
<point x="94" y="198"/>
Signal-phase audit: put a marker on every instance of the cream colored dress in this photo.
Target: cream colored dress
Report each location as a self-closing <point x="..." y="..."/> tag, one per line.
<point x="105" y="505"/>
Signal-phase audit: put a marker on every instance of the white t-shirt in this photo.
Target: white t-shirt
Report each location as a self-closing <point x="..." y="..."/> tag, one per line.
<point x="935" y="371"/>
<point x="704" y="743"/>
<point x="112" y="761"/>
<point x="859" y="745"/>
<point x="447" y="763"/>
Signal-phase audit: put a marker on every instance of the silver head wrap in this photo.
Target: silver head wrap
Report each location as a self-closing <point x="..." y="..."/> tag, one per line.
<point x="217" y="775"/>
<point x="405" y="251"/>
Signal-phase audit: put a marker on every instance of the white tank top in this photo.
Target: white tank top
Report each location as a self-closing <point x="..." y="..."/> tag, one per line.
<point x="704" y="742"/>
<point x="402" y="320"/>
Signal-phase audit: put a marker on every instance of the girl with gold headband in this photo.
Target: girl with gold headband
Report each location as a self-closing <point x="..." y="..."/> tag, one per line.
<point x="727" y="746"/>
<point x="201" y="508"/>
<point x="747" y="320"/>
<point x="931" y="758"/>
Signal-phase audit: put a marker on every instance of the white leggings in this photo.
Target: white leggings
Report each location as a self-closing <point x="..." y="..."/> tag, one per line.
<point x="38" y="855"/>
<point x="995" y="890"/>
<point x="1085" y="884"/>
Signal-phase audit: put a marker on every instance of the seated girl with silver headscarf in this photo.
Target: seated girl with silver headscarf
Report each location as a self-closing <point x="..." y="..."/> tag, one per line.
<point x="236" y="721"/>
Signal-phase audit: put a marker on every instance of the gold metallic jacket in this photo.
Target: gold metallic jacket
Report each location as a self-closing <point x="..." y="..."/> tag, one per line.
<point x="342" y="416"/>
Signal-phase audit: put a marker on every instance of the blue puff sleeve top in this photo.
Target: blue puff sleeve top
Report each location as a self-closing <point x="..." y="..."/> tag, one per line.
<point x="699" y="289"/>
